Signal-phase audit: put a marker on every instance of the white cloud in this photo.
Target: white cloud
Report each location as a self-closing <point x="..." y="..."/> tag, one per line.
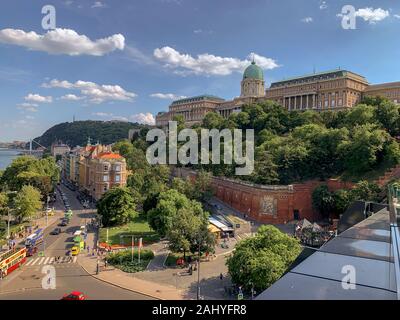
<point x="323" y="5"/>
<point x="94" y="92"/>
<point x="38" y="98"/>
<point x="29" y="117"/>
<point x="110" y="116"/>
<point x="372" y="15"/>
<point x="397" y="16"/>
<point x="167" y="96"/>
<point x="29" y="107"/>
<point x="102" y="114"/>
<point x="144" y="118"/>
<point x="62" y="41"/>
<point x="98" y="4"/>
<point x="207" y="64"/>
<point x="71" y="97"/>
<point x="307" y="20"/>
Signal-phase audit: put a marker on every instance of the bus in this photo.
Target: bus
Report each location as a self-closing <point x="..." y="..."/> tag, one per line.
<point x="11" y="260"/>
<point x="32" y="241"/>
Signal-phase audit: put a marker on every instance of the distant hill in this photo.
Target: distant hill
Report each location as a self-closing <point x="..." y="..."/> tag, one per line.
<point x="77" y="133"/>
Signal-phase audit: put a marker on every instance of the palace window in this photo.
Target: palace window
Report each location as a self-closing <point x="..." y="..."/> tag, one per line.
<point x="118" y="178"/>
<point x="105" y="178"/>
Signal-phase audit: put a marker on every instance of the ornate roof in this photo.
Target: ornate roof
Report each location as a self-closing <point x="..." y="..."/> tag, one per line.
<point x="253" y="71"/>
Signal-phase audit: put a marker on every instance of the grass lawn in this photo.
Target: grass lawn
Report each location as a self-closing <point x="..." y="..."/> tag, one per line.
<point x="139" y="228"/>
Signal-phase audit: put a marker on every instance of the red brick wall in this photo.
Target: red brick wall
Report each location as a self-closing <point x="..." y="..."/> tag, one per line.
<point x="248" y="198"/>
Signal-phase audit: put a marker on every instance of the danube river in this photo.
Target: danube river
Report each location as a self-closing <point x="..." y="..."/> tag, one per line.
<point x="7" y="156"/>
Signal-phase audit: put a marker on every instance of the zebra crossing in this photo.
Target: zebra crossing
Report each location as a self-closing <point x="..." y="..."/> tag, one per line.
<point x="50" y="260"/>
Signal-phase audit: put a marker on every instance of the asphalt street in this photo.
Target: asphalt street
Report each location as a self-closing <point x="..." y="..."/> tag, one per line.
<point x="26" y="283"/>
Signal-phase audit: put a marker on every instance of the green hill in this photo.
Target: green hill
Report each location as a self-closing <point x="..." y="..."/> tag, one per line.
<point x="77" y="133"/>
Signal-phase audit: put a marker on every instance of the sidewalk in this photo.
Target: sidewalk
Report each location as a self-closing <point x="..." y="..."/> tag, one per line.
<point x="124" y="280"/>
<point x="41" y="223"/>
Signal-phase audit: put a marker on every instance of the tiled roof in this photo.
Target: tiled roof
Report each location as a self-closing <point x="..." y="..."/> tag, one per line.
<point x="109" y="155"/>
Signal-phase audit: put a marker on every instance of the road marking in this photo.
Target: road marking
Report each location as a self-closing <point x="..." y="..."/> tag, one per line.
<point x="40" y="262"/>
<point x="75" y="258"/>
<point x="29" y="262"/>
<point x="34" y="262"/>
<point x="45" y="261"/>
<point x="51" y="260"/>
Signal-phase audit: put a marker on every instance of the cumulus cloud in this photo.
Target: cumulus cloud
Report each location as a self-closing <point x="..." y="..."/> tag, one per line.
<point x="29" y="107"/>
<point x="93" y="92"/>
<point x="98" y="4"/>
<point x="144" y="118"/>
<point x="323" y="5"/>
<point x="207" y="64"/>
<point x="71" y="97"/>
<point x="62" y="41"/>
<point x="372" y="15"/>
<point x="38" y="98"/>
<point x="167" y="96"/>
<point x="397" y="16"/>
<point x="307" y="20"/>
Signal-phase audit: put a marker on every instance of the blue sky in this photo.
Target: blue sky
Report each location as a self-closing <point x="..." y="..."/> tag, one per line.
<point x="127" y="60"/>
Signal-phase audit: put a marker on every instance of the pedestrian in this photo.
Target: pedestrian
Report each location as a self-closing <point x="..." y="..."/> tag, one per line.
<point x="221" y="276"/>
<point x="88" y="249"/>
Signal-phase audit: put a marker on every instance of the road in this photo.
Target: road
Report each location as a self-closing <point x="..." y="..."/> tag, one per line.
<point x="25" y="284"/>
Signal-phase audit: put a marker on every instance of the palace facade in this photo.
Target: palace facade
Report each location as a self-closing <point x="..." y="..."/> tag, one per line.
<point x="331" y="90"/>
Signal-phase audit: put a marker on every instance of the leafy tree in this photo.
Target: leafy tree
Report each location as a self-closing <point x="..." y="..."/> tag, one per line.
<point x="366" y="147"/>
<point x="27" y="202"/>
<point x="323" y="200"/>
<point x="125" y="148"/>
<point x="388" y="114"/>
<point x="117" y="207"/>
<point x="184" y="228"/>
<point x="184" y="186"/>
<point x="169" y="202"/>
<point x="361" y="114"/>
<point x="342" y="200"/>
<point x="265" y="169"/>
<point x="213" y="120"/>
<point x="3" y="203"/>
<point x="261" y="260"/>
<point x="366" y="191"/>
<point x="202" y="186"/>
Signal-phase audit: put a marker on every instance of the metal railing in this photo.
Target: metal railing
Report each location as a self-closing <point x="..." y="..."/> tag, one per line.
<point x="394" y="211"/>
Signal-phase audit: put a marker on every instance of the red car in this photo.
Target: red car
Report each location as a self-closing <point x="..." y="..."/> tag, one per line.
<point x="74" y="295"/>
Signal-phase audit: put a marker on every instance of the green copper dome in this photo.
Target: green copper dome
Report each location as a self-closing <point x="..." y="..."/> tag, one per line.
<point x="253" y="71"/>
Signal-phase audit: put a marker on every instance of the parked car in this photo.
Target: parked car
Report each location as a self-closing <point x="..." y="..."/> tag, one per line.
<point x="56" y="231"/>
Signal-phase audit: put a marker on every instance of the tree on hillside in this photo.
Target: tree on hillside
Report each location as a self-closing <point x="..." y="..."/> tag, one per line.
<point x="364" y="150"/>
<point x="27" y="203"/>
<point x="117" y="207"/>
<point x="366" y="191"/>
<point x="213" y="120"/>
<point x="265" y="169"/>
<point x="361" y="114"/>
<point x="261" y="260"/>
<point x="323" y="200"/>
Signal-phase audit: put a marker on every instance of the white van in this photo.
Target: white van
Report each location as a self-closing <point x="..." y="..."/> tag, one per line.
<point x="77" y="233"/>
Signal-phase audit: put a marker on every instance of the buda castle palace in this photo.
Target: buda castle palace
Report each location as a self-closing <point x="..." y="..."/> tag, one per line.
<point x="332" y="90"/>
